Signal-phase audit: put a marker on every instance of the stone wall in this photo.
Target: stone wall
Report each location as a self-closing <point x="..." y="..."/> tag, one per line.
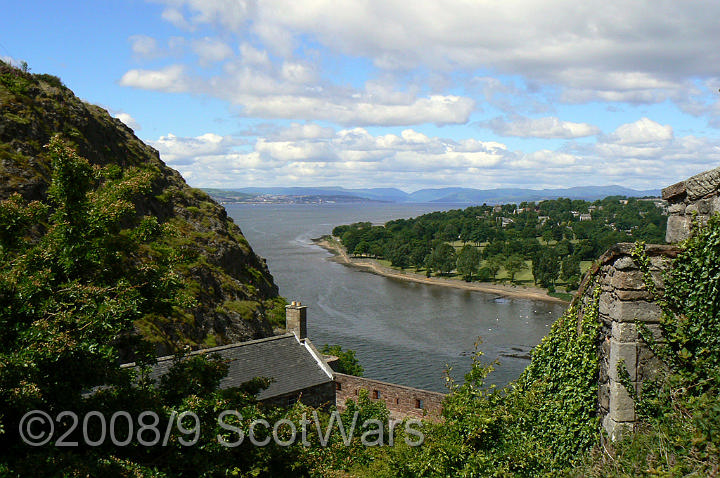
<point x="698" y="196"/>
<point x="624" y="302"/>
<point x="319" y="396"/>
<point x="401" y="401"/>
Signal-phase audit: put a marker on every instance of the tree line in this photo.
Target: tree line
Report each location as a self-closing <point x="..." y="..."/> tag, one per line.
<point x="550" y="238"/>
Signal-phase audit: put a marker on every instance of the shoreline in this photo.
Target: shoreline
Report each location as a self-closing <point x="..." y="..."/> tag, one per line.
<point x="370" y="265"/>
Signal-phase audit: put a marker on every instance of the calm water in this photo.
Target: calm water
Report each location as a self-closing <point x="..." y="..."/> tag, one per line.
<point x="402" y="332"/>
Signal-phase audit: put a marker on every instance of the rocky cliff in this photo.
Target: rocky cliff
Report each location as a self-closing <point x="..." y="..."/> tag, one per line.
<point x="234" y="291"/>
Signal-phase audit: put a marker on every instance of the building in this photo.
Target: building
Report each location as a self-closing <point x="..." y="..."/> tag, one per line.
<point x="297" y="369"/>
<point x="299" y="372"/>
<point x="506" y="221"/>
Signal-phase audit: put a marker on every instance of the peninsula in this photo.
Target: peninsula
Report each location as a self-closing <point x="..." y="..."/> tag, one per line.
<point x="341" y="256"/>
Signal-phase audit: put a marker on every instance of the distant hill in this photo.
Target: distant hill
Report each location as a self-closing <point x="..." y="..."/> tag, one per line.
<point x="467" y="196"/>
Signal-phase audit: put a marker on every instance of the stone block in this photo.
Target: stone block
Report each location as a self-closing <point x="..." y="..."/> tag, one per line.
<point x="677" y="208"/>
<point x="649" y="365"/>
<point x="704" y="206"/>
<point x="624" y="331"/>
<point x="604" y="397"/>
<point x="622" y="406"/>
<point x="624" y="263"/>
<point x="678" y="229"/>
<point x="656" y="332"/>
<point x="716" y="205"/>
<point x="661" y="263"/>
<point x="702" y="184"/>
<point x="690" y="209"/>
<point x="632" y="294"/>
<point x="658" y="279"/>
<point x="674" y="192"/>
<point x="616" y="431"/>
<point x="629" y="279"/>
<point x="626" y="353"/>
<point x="626" y="311"/>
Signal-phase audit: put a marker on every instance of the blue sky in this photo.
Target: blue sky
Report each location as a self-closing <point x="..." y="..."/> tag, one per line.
<point x="390" y="93"/>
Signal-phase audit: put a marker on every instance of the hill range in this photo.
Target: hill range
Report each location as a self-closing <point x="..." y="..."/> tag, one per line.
<point x="440" y="195"/>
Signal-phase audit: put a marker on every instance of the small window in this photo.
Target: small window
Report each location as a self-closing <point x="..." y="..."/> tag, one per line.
<point x="397" y="401"/>
<point x="419" y="403"/>
<point x="338" y="386"/>
<point x="376" y="394"/>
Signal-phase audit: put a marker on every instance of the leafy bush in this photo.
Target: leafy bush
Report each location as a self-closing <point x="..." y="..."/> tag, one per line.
<point x="347" y="361"/>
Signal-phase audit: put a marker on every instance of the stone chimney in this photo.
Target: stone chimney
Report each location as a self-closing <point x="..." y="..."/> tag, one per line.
<point x="296" y="319"/>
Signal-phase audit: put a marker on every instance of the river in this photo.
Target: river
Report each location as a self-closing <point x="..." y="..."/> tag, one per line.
<point x="402" y="332"/>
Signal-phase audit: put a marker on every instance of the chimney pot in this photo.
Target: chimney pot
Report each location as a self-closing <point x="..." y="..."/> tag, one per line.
<point x="296" y="319"/>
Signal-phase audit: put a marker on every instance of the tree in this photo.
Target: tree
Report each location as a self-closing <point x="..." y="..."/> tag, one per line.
<point x="362" y="248"/>
<point x="418" y="252"/>
<point x="399" y="254"/>
<point x="494" y="264"/>
<point x="442" y="258"/>
<point x="545" y="267"/>
<point x="570" y="267"/>
<point x="468" y="262"/>
<point x="514" y="264"/>
<point x="347" y="361"/>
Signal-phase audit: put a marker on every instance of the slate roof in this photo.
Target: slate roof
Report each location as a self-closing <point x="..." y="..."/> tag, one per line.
<point x="293" y="364"/>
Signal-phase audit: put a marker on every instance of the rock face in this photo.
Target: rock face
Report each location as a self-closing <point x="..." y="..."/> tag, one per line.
<point x="236" y="296"/>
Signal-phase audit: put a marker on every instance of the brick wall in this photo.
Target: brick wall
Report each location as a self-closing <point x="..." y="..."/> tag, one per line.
<point x="401" y="401"/>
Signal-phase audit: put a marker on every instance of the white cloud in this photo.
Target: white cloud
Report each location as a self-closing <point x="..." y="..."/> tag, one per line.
<point x="547" y="127"/>
<point x="642" y="131"/>
<point x="434" y="109"/>
<point x="252" y="56"/>
<point x="211" y="50"/>
<point x="182" y="151"/>
<point x="128" y="120"/>
<point x="608" y="50"/>
<point x="643" y="154"/>
<point x="10" y="60"/>
<point x="176" y="18"/>
<point x="279" y="93"/>
<point x="145" y="47"/>
<point x="298" y="131"/>
<point x="170" y="79"/>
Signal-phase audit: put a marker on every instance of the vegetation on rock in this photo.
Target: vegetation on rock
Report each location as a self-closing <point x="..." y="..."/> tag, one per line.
<point x="218" y="267"/>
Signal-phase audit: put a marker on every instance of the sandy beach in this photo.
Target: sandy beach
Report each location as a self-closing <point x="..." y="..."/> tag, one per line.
<point x="372" y="266"/>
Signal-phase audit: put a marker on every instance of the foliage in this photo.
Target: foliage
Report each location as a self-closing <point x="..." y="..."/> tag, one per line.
<point x="546" y="267"/>
<point x="680" y="408"/>
<point x="468" y="262"/>
<point x="217" y="263"/>
<point x="442" y="258"/>
<point x="692" y="298"/>
<point x="71" y="289"/>
<point x="347" y="361"/>
<point x="543" y="232"/>
<point x="513" y="265"/>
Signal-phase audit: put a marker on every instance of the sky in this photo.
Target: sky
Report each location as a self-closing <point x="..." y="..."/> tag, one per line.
<point x="392" y="93"/>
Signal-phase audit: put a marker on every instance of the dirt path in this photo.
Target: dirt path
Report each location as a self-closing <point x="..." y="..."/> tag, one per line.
<point x="372" y="266"/>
